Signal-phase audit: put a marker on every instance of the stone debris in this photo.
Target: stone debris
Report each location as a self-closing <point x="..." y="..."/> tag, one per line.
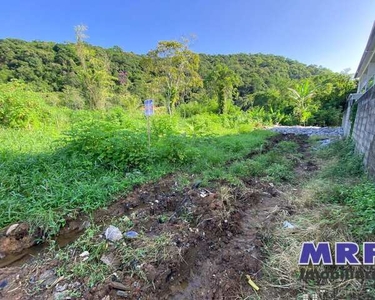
<point x="122" y="294"/>
<point x="84" y="225"/>
<point x="84" y="254"/>
<point x="65" y="295"/>
<point x="119" y="286"/>
<point x="131" y="234"/>
<point x="113" y="234"/>
<point x="74" y="285"/>
<point x="32" y="279"/>
<point x="110" y="260"/>
<point x="309" y="130"/>
<point x="204" y="193"/>
<point x="60" y="288"/>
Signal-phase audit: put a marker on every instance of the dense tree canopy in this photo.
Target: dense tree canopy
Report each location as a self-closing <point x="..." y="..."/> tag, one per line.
<point x="49" y="66"/>
<point x="223" y="81"/>
<point x="173" y="75"/>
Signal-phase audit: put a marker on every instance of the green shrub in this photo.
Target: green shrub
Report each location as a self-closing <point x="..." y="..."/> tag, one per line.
<point x="327" y="117"/>
<point x="187" y="110"/>
<point x="196" y="107"/>
<point x="176" y="149"/>
<point x="259" y="116"/>
<point x="246" y="128"/>
<point x="256" y="168"/>
<point x="128" y="102"/>
<point x="360" y="199"/>
<point x="118" y="116"/>
<point x="109" y="145"/>
<point x="163" y="125"/>
<point x="233" y="146"/>
<point x="52" y="98"/>
<point x="203" y="124"/>
<point x="333" y="193"/>
<point x="21" y="107"/>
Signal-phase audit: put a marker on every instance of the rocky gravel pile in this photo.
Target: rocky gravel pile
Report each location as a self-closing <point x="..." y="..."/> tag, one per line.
<point x="309" y="130"/>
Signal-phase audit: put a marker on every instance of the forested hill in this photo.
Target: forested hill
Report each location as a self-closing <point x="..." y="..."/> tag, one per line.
<point x="49" y="66"/>
<point x="260" y="71"/>
<point x="250" y="80"/>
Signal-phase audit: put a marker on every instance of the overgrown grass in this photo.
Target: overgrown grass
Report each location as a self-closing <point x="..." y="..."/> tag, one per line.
<point x="275" y="165"/>
<point x="44" y="179"/>
<point x="347" y="184"/>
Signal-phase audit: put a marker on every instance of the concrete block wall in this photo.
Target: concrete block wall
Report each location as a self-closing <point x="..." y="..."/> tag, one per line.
<point x="346" y="124"/>
<point x="346" y="120"/>
<point x="364" y="128"/>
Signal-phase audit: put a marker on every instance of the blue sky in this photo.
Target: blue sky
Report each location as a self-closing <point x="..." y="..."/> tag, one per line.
<point x="332" y="33"/>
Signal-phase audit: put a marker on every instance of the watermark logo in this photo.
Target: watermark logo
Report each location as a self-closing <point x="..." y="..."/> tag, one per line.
<point x="319" y="295"/>
<point x="346" y="253"/>
<point x="308" y="297"/>
<point x="335" y="274"/>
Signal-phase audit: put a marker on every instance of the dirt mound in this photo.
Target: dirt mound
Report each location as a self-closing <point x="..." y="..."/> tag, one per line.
<point x="212" y="252"/>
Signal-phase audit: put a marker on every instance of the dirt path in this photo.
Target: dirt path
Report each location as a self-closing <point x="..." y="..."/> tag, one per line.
<point x="214" y="243"/>
<point x="220" y="272"/>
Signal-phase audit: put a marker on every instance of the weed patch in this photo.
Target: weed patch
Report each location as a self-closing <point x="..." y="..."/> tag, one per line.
<point x="96" y="161"/>
<point x="349" y="186"/>
<point x="276" y="165"/>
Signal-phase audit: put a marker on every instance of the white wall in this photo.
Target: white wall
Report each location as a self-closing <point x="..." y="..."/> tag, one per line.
<point x="367" y="74"/>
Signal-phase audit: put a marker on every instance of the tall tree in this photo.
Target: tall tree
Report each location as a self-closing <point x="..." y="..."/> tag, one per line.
<point x="175" y="70"/>
<point x="223" y="82"/>
<point x="93" y="71"/>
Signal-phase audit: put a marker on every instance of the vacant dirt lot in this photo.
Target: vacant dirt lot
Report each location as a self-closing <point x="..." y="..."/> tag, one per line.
<point x="213" y="239"/>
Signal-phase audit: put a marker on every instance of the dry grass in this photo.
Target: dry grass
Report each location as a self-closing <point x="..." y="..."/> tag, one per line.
<point x="305" y="198"/>
<point x="316" y="222"/>
<point x="226" y="201"/>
